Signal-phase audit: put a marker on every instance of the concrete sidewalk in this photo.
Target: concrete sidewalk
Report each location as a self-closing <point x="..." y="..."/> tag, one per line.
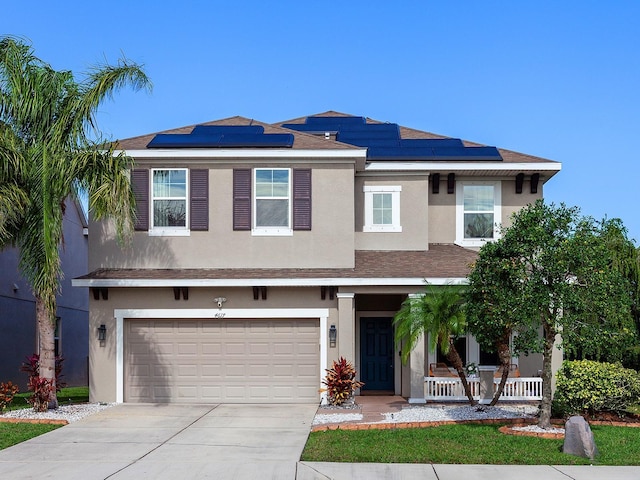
<point x="396" y="471"/>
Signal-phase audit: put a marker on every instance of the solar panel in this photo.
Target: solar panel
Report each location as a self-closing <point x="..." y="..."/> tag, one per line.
<point x="169" y="140"/>
<point x="225" y="129"/>
<point x="335" y="120"/>
<point x="180" y="140"/>
<point x="303" y="127"/>
<point x="467" y="153"/>
<point x="371" y="142"/>
<point x="431" y="142"/>
<point x="433" y="154"/>
<point x="265" y="140"/>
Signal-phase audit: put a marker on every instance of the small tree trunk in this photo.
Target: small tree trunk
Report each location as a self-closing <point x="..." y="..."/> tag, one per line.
<point x="504" y="353"/>
<point x="454" y="357"/>
<point x="46" y="337"/>
<point x="545" y="405"/>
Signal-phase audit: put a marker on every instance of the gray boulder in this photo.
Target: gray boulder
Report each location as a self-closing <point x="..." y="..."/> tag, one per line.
<point x="578" y="438"/>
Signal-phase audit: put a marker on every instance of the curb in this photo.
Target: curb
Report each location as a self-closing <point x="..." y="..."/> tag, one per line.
<point x="390" y="426"/>
<point x="47" y="421"/>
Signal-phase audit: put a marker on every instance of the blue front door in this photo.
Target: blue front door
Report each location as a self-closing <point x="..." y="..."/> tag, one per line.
<point x="376" y="353"/>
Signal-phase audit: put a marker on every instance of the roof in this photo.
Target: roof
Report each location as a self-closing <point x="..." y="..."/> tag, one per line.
<point x="441" y="261"/>
<point x="302" y="141"/>
<point x="508" y="156"/>
<point x="307" y="141"/>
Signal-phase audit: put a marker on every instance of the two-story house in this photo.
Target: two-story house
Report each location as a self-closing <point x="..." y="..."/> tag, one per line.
<point x="265" y="251"/>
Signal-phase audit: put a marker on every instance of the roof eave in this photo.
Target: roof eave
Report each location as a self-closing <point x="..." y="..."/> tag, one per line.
<point x="244" y="153"/>
<point x="265" y="282"/>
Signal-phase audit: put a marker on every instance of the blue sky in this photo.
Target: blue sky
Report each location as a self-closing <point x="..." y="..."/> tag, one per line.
<point x="559" y="80"/>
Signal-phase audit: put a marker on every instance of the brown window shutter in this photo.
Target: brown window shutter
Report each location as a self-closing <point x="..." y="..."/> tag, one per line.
<point x="199" y="200"/>
<point x="242" y="199"/>
<point x="302" y="199"/>
<point x="140" y="186"/>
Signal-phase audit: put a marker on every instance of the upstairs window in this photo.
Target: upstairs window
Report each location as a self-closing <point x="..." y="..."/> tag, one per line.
<point x="169" y="200"/>
<point x="382" y="209"/>
<point x="272" y="201"/>
<point x="167" y="205"/>
<point x="478" y="212"/>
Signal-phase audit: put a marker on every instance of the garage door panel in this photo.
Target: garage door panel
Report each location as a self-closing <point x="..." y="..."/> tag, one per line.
<point x="210" y="348"/>
<point x="240" y="361"/>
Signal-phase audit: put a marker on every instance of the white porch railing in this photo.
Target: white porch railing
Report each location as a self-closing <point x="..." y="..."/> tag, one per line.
<point x="450" y="389"/>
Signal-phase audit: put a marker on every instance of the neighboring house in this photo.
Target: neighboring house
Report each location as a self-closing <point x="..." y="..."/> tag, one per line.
<point x="18" y="326"/>
<point x="264" y="252"/>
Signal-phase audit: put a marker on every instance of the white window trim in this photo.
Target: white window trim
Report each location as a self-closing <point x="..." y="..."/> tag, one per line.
<point x="497" y="213"/>
<point x="169" y="231"/>
<point x="369" y="226"/>
<point x="271" y="231"/>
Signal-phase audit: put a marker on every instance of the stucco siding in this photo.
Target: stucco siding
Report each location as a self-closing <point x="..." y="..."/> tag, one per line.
<point x="328" y="244"/>
<point x="413" y="214"/>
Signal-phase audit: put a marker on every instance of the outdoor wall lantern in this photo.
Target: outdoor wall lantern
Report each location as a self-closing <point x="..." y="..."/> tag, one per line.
<point x="102" y="332"/>
<point x="333" y="335"/>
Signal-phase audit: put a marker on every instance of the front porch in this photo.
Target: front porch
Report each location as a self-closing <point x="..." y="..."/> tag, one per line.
<point x="449" y="389"/>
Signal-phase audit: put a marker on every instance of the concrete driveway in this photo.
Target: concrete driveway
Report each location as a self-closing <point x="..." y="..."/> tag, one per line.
<point x="136" y="441"/>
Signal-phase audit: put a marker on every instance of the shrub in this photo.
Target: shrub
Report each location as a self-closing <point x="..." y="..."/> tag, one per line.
<point x="31" y="366"/>
<point x="41" y="388"/>
<point x="7" y="392"/>
<point x="341" y="382"/>
<point x="588" y="387"/>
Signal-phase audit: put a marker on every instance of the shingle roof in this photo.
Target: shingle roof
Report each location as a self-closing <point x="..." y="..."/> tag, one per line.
<point x="313" y="142"/>
<point x="301" y="140"/>
<point x="508" y="156"/>
<point x="440" y="261"/>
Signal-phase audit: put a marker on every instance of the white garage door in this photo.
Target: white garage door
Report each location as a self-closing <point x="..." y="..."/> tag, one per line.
<point x="210" y="361"/>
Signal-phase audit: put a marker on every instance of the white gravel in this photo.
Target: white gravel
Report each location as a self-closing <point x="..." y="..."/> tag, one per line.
<point x="70" y="413"/>
<point x="457" y="412"/>
<point x="437" y="413"/>
<point x="323" y="418"/>
<point x="537" y="429"/>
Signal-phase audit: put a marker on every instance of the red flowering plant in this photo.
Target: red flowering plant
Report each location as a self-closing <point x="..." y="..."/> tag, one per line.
<point x="341" y="382"/>
<point x="41" y="387"/>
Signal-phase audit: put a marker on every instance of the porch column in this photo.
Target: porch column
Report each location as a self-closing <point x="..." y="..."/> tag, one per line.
<point x="347" y="327"/>
<point x="416" y="372"/>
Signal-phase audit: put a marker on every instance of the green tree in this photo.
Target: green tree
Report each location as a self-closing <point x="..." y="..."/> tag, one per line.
<point x="626" y="259"/>
<point x="50" y="150"/>
<point x="438" y="313"/>
<point x="550" y="271"/>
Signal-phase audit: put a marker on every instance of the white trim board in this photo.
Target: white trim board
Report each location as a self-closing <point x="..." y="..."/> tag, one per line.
<point x="242" y="153"/>
<point x="461" y="166"/>
<point x="265" y="282"/>
<point x="241" y="313"/>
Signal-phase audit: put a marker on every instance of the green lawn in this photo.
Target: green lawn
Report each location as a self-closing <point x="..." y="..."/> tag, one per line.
<point x="12" y="433"/>
<point x="465" y="444"/>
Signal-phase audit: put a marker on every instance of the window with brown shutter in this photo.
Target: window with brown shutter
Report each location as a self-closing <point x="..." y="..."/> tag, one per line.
<point x="140" y="186"/>
<point x="242" y="199"/>
<point x="302" y="199"/>
<point x="169" y="210"/>
<point x="199" y="192"/>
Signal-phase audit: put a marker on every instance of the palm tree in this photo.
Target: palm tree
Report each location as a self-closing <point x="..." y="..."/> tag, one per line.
<point x="438" y="313"/>
<point x="47" y="155"/>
